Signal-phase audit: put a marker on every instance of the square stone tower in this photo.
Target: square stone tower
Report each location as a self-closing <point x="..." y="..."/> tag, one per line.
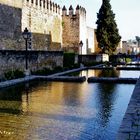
<point x="74" y="29"/>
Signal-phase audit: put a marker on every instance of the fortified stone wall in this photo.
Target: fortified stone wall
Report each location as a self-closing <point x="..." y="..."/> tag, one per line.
<point x="10" y="24"/>
<point x="74" y="27"/>
<point x="71" y="26"/>
<point x="12" y="3"/>
<point x="11" y="60"/>
<point x="44" y="20"/>
<point x="51" y="27"/>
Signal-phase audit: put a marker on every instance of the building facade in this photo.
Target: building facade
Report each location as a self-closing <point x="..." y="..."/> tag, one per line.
<point x="130" y="47"/>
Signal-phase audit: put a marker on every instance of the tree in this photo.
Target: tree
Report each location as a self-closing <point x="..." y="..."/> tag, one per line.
<point x="138" y="40"/>
<point x="107" y="32"/>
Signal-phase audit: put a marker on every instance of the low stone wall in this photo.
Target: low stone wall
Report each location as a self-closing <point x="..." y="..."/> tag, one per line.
<point x="89" y="59"/>
<point x="86" y="59"/>
<point x="11" y="60"/>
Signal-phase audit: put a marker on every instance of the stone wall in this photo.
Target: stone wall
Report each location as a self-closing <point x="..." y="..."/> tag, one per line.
<point x="50" y="26"/>
<point x="71" y="30"/>
<point x="44" y="20"/>
<point x="89" y="59"/>
<point x="10" y="26"/>
<point x="10" y="60"/>
<point x="74" y="28"/>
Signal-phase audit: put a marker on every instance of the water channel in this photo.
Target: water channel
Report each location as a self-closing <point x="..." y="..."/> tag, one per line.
<point x="108" y="73"/>
<point x="63" y="111"/>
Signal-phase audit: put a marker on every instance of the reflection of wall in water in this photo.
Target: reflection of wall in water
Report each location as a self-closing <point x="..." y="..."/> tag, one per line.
<point x="11" y="100"/>
<point x="108" y="73"/>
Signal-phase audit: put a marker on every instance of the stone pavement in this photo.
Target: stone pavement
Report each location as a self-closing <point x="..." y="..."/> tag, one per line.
<point x="130" y="127"/>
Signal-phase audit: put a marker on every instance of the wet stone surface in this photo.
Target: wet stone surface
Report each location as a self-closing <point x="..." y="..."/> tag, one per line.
<point x="130" y="127"/>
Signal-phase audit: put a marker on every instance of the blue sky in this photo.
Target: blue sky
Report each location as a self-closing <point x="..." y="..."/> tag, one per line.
<point x="127" y="14"/>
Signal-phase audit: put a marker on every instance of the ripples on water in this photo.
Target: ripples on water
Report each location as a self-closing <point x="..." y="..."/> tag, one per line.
<point x="62" y="111"/>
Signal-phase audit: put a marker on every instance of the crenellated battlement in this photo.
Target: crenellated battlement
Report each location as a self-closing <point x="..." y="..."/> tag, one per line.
<point x="46" y="5"/>
<point x="79" y="10"/>
<point x="51" y="26"/>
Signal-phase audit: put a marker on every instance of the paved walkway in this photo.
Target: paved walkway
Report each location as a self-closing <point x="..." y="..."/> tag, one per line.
<point x="130" y="127"/>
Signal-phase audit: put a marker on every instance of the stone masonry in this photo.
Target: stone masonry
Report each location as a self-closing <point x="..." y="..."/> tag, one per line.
<point x="11" y="60"/>
<point x="51" y="27"/>
<point x="42" y="18"/>
<point x="130" y="127"/>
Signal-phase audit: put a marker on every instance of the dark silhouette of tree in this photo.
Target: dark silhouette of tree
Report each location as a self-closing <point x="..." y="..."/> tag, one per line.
<point x="138" y="40"/>
<point x="107" y="32"/>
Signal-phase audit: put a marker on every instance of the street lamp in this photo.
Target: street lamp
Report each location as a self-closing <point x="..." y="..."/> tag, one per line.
<point x="26" y="35"/>
<point x="81" y="45"/>
<point x="102" y="49"/>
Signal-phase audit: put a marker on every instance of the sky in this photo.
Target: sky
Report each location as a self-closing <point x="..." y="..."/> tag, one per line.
<point x="127" y="14"/>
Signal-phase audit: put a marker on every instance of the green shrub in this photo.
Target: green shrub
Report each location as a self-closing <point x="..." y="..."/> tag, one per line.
<point x="18" y="74"/>
<point x="9" y="75"/>
<point x="128" y="60"/>
<point x="58" y="69"/>
<point x="92" y="64"/>
<point x="69" y="59"/>
<point x="44" y="71"/>
<point x="13" y="74"/>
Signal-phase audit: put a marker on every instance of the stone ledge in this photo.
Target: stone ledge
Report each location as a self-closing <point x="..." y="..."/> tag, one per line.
<point x="64" y="78"/>
<point x="114" y="80"/>
<point x="128" y="68"/>
<point x="53" y="77"/>
<point x="130" y="127"/>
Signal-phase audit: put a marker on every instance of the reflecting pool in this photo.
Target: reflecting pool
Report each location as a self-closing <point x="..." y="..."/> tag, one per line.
<point x="107" y="73"/>
<point x="63" y="111"/>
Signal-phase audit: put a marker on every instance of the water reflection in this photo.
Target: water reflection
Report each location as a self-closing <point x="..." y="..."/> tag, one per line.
<point x="106" y="97"/>
<point x="107" y="73"/>
<point x="72" y="94"/>
<point x="11" y="100"/>
<point x="97" y="73"/>
<point x="57" y="111"/>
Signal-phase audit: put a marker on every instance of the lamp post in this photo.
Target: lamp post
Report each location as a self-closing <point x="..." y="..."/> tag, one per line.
<point x="26" y="35"/>
<point x="81" y="45"/>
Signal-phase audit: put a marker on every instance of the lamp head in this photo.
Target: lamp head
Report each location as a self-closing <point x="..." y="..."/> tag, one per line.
<point x="81" y="43"/>
<point x="25" y="34"/>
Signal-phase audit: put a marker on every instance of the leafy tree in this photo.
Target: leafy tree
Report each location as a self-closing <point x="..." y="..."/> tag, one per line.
<point x="107" y="32"/>
<point x="138" y="40"/>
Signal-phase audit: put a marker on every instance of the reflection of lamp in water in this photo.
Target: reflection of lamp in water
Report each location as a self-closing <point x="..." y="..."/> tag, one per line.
<point x="27" y="93"/>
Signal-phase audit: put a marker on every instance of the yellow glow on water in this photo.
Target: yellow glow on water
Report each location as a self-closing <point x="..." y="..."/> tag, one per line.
<point x="57" y="111"/>
<point x="47" y="114"/>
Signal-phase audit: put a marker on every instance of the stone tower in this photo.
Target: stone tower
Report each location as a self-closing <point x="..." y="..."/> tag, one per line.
<point x="42" y="17"/>
<point x="74" y="28"/>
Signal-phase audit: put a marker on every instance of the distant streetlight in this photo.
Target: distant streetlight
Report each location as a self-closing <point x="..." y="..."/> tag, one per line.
<point x="27" y="36"/>
<point x="81" y="45"/>
<point x="102" y="49"/>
